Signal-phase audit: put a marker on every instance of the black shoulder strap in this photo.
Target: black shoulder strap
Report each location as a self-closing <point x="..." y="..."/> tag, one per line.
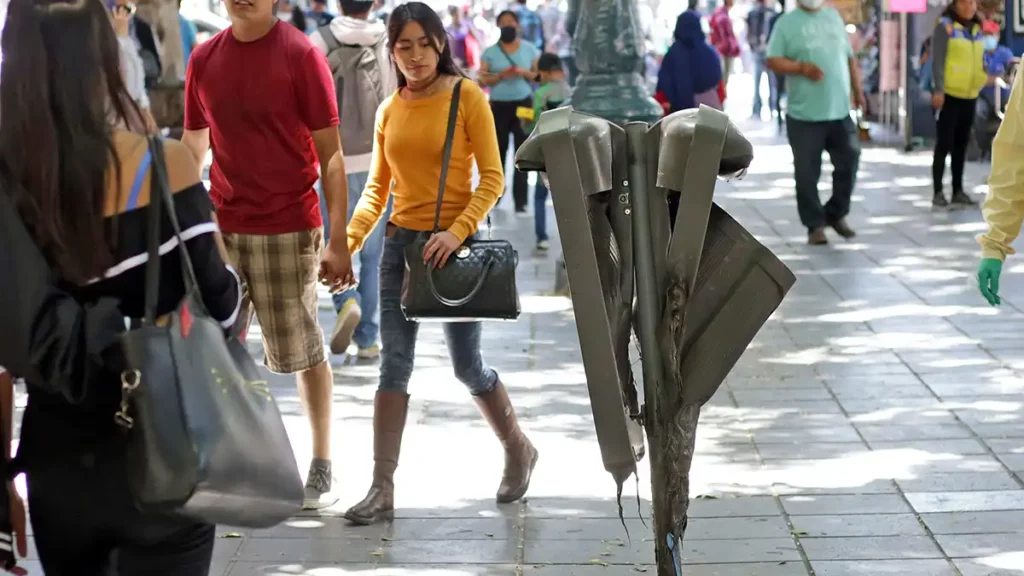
<point x="446" y="156"/>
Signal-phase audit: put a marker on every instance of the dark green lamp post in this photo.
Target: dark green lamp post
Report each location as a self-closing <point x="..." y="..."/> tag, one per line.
<point x="608" y="47"/>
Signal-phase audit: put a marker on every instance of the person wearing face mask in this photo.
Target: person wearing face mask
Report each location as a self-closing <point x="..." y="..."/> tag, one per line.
<point x="811" y="48"/>
<point x="997" y="60"/>
<point x="508" y="68"/>
<point x="958" y="75"/>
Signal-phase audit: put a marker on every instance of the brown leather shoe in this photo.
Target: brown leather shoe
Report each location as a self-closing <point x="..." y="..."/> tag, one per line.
<point x="816" y="237"/>
<point x="389" y="411"/>
<point x="520" y="455"/>
<point x="843" y="229"/>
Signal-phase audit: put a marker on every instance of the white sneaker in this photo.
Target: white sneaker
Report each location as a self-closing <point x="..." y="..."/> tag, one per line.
<point x="543" y="245"/>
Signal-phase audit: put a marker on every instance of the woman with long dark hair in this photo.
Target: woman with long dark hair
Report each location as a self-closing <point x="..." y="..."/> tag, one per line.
<point x="81" y="184"/>
<point x="411" y="128"/>
<point x="958" y="75"/>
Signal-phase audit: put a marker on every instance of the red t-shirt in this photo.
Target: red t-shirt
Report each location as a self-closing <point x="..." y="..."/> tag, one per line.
<point x="261" y="101"/>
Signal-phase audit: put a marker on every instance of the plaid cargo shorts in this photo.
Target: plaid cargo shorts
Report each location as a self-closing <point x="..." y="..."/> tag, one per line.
<point x="279" y="280"/>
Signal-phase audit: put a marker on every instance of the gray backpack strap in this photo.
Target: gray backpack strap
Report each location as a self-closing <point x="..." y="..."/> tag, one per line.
<point x="329" y="39"/>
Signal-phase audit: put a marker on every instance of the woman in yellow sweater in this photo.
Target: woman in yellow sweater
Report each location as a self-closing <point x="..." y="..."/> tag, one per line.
<point x="411" y="127"/>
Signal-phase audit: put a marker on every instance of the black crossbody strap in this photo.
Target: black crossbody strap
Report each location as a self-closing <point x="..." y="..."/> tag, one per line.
<point x="446" y="156"/>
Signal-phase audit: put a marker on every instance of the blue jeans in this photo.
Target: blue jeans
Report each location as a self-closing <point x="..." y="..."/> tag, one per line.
<point x="540" y="208"/>
<point x="808" y="140"/>
<point x="398" y="335"/>
<point x="761" y="67"/>
<point x="367" y="262"/>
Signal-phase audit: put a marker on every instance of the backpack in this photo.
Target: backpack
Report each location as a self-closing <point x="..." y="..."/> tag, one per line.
<point x="359" y="84"/>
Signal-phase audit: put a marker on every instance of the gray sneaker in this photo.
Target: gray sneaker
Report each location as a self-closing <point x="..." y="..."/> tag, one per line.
<point x="318" y="486"/>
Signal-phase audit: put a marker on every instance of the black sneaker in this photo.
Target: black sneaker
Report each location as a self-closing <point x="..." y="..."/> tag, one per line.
<point x="961" y="199"/>
<point x="939" y="201"/>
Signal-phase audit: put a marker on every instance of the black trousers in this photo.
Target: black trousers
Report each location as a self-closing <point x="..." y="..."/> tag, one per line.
<point x="507" y="124"/>
<point x="952" y="135"/>
<point x="808" y="140"/>
<point x="85" y="524"/>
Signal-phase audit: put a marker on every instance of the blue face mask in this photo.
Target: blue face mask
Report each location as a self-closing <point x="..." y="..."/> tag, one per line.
<point x="991" y="43"/>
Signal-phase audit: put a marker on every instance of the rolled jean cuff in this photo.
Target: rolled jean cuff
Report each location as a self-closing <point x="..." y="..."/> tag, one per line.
<point x="487" y="383"/>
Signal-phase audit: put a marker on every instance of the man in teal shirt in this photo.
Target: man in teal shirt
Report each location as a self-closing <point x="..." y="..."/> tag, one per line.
<point x="810" y="46"/>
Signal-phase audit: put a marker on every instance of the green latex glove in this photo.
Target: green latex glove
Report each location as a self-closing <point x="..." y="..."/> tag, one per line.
<point x="989" y="270"/>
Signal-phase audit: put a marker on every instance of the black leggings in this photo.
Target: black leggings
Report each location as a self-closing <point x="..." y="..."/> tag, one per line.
<point x="953" y="133"/>
<point x="506" y="123"/>
<point x="86" y="525"/>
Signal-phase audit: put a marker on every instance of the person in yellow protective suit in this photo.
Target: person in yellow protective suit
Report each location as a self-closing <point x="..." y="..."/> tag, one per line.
<point x="1004" y="206"/>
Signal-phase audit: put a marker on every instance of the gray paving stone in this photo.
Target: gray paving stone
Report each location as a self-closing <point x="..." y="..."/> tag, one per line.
<point x="733" y="507"/>
<point x="1015" y="462"/>
<point x="844" y="504"/>
<point x="309" y="550"/>
<point x="811" y="450"/>
<point x="858" y="391"/>
<point x="870" y="548"/>
<point x="975" y="522"/>
<point x="841" y="433"/>
<point x="963" y="447"/>
<point x="451" y="552"/>
<point x="981" y="501"/>
<point x="881" y="567"/>
<point x="860" y="487"/>
<point x="590" y="508"/>
<point x="589" y="551"/>
<point x="757" y="397"/>
<point x="852" y="525"/>
<point x="726" y="551"/>
<point x="311" y="568"/>
<point x="1006" y="445"/>
<point x="981" y="545"/>
<point x="900" y="433"/>
<point x="984" y="566"/>
<point x="593" y="570"/>
<point x="598" y="529"/>
<point x="959" y="482"/>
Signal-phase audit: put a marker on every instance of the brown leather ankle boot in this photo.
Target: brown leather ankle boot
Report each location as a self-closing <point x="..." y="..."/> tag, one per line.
<point x="389" y="411"/>
<point x="520" y="455"/>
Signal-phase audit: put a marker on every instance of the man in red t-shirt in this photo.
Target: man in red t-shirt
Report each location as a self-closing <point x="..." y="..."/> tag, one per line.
<point x="262" y="97"/>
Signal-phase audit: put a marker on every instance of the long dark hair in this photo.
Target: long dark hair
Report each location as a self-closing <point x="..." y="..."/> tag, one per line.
<point x="61" y="92"/>
<point x="950" y="12"/>
<point x="426" y="17"/>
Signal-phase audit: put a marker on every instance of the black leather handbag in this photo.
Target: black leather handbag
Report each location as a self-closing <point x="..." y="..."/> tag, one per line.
<point x="479" y="280"/>
<point x="205" y="437"/>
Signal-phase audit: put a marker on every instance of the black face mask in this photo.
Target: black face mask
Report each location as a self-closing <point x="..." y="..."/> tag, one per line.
<point x="508" y="34"/>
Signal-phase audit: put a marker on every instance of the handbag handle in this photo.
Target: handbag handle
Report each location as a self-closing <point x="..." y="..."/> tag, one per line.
<point x="472" y="293"/>
<point x="446" y="156"/>
<point x="160" y="198"/>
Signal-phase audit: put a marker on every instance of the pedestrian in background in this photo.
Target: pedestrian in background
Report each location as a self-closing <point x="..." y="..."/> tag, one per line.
<point x="691" y="71"/>
<point x="411" y="133"/>
<point x="958" y="75"/>
<point x="723" y="38"/>
<point x="262" y="96"/>
<point x="355" y="44"/>
<point x="758" y="20"/>
<point x="811" y="47"/>
<point x="508" y="68"/>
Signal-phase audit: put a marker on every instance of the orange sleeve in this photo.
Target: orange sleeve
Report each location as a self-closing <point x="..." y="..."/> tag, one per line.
<point x="483" y="141"/>
<point x="374" y="198"/>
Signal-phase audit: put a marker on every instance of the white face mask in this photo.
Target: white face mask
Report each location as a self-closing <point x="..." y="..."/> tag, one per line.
<point x="811" y="4"/>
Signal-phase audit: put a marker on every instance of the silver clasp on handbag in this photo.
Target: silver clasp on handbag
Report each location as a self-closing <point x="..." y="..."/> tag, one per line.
<point x="462" y="252"/>
<point x="130" y="380"/>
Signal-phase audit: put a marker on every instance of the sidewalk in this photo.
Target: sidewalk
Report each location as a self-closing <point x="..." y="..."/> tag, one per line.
<point x="874" y="427"/>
